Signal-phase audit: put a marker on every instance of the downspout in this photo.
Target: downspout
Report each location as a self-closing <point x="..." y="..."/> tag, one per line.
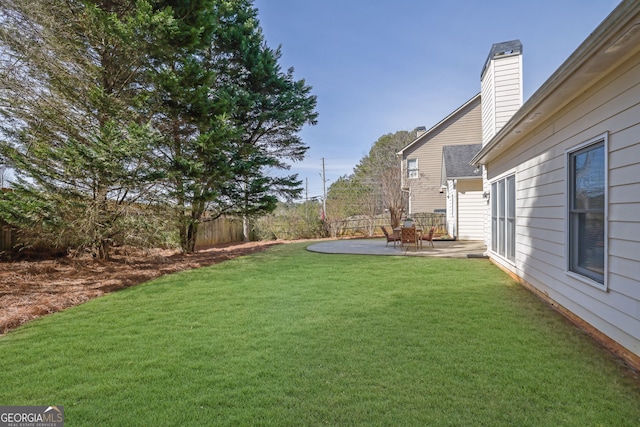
<point x="408" y="191"/>
<point x="400" y="156"/>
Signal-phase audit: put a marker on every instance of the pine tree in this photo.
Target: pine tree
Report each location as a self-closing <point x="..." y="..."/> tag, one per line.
<point x="272" y="107"/>
<point x="71" y="127"/>
<point x="189" y="104"/>
<point x="228" y="114"/>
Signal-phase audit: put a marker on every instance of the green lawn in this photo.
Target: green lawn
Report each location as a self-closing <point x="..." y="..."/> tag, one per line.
<point x="293" y="338"/>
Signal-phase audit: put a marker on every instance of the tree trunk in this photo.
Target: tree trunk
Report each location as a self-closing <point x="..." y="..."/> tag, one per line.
<point x="102" y="250"/>
<point x="183" y="223"/>
<point x="185" y="228"/>
<point x="101" y="222"/>
<point x="246" y="229"/>
<point x="192" y="233"/>
<point x="396" y="216"/>
<point x="188" y="229"/>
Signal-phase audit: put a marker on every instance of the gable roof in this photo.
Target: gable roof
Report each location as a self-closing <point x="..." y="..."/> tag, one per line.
<point x="611" y="43"/>
<point x="440" y="124"/>
<point x="456" y="160"/>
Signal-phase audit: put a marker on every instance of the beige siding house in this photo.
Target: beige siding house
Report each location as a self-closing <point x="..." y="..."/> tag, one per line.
<point x="421" y="160"/>
<point x="564" y="181"/>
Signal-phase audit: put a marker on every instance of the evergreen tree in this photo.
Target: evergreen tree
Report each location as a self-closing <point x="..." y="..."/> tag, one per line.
<point x="189" y="104"/>
<point x="272" y="108"/>
<point x="71" y="74"/>
<point x="102" y="98"/>
<point x="229" y="115"/>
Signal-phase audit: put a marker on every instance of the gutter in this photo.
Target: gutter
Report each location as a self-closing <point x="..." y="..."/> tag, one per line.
<point x="601" y="43"/>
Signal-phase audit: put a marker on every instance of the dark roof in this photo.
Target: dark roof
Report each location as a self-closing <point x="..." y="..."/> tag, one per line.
<point x="457" y="160"/>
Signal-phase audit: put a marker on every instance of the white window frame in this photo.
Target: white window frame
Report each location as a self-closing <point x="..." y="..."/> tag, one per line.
<point x="503" y="217"/>
<point x="412" y="173"/>
<point x="570" y="238"/>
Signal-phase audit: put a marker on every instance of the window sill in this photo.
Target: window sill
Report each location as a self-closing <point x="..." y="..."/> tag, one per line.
<point x="588" y="281"/>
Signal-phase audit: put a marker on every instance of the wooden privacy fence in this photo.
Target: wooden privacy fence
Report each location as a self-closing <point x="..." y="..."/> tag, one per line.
<point x="7" y="237"/>
<point x="210" y="232"/>
<point x="427" y="220"/>
<point x="220" y="230"/>
<point x="367" y="226"/>
<point x="227" y="230"/>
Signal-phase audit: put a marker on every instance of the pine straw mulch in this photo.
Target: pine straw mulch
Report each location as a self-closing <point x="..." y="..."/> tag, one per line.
<point x="43" y="284"/>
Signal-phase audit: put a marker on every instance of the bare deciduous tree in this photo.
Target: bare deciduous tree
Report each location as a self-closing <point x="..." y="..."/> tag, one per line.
<point x="381" y="171"/>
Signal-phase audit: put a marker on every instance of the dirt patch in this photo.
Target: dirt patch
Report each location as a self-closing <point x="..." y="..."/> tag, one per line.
<point x="42" y="285"/>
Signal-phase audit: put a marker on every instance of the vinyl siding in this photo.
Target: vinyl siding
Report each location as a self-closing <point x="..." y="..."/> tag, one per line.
<point x="611" y="106"/>
<point x="501" y="90"/>
<point x="462" y="128"/>
<point x="488" y="104"/>
<point x="470" y="210"/>
<point x="508" y="90"/>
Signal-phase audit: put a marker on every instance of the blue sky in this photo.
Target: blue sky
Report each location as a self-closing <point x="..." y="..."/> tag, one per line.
<point x="378" y="67"/>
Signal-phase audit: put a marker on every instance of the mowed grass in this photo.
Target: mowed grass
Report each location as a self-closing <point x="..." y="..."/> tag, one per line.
<point x="292" y="338"/>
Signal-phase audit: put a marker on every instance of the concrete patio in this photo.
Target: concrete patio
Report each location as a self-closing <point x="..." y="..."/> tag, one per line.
<point x="442" y="248"/>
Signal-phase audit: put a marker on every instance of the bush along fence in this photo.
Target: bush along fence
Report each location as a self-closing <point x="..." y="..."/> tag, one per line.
<point x="228" y="230"/>
<point x="210" y="232"/>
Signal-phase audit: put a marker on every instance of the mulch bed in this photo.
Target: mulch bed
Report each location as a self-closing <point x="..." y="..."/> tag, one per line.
<point x="43" y="283"/>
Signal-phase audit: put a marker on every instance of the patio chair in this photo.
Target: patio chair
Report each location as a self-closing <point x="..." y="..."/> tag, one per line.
<point x="408" y="237"/>
<point x="429" y="236"/>
<point x="393" y="237"/>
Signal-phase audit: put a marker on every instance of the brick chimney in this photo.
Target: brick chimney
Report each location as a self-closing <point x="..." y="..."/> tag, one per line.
<point x="501" y="82"/>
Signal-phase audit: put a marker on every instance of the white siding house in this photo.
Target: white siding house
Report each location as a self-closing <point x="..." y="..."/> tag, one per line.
<point x="462" y="184"/>
<point x="470" y="207"/>
<point x="564" y="182"/>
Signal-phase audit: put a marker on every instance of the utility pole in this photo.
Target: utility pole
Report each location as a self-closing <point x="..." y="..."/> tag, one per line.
<point x="324" y="192"/>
